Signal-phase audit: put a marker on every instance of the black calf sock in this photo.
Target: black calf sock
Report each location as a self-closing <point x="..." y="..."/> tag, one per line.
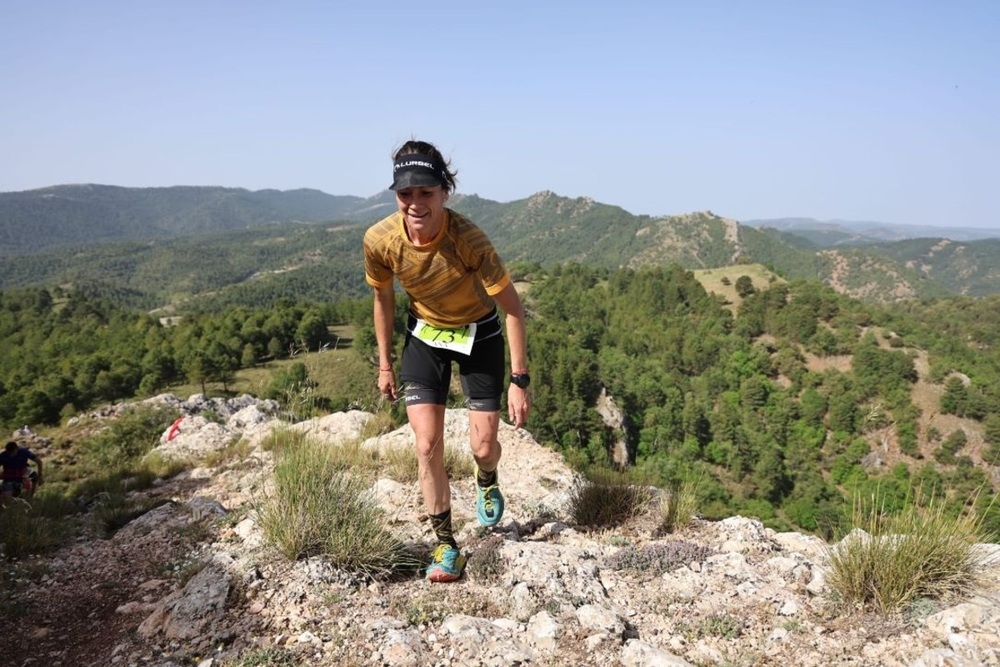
<point x="484" y="479"/>
<point x="441" y="523"/>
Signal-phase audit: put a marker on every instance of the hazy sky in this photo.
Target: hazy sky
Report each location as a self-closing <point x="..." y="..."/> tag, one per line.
<point x="860" y="110"/>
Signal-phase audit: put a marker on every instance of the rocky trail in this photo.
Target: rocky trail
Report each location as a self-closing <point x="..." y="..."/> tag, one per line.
<point x="192" y="581"/>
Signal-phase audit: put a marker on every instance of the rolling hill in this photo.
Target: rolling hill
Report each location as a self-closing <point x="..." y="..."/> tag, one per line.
<point x="160" y="246"/>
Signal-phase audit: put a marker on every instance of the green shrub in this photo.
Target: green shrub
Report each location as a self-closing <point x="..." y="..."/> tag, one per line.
<point x="279" y="440"/>
<point x="723" y="625"/>
<point x="128" y="438"/>
<point x="297" y="393"/>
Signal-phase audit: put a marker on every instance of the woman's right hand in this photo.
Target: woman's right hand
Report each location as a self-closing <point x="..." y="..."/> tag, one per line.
<point x="387" y="384"/>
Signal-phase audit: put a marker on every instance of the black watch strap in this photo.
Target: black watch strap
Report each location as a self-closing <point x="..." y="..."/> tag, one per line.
<point x="522" y="379"/>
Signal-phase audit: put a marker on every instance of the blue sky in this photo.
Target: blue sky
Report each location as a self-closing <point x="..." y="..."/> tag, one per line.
<point x="858" y="110"/>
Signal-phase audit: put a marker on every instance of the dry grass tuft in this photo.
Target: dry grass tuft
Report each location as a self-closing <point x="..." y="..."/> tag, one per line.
<point x="319" y="507"/>
<point x="607" y="499"/>
<point x="890" y="561"/>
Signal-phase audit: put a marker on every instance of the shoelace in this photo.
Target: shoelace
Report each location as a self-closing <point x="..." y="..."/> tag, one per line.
<point x="488" y="503"/>
<point x="439" y="552"/>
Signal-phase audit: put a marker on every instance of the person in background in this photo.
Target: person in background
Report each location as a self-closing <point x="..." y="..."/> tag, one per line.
<point x="455" y="280"/>
<point x="14" y="478"/>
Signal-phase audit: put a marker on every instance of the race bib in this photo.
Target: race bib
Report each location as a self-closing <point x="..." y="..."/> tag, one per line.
<point x="458" y="340"/>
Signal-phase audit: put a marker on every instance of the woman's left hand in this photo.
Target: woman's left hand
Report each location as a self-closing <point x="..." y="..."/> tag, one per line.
<point x="518" y="405"/>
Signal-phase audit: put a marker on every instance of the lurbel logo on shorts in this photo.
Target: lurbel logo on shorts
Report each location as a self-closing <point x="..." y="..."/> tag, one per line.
<point x="412" y="397"/>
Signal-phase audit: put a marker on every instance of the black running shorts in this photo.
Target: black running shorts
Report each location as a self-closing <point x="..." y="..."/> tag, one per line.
<point x="426" y="370"/>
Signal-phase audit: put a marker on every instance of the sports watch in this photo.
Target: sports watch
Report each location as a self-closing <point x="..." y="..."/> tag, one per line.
<point x="522" y="379"/>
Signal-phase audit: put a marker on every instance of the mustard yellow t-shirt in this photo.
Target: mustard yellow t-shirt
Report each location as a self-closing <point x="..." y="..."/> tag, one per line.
<point x="450" y="281"/>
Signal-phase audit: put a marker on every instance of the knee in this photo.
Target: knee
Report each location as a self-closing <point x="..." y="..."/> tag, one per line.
<point x="426" y="450"/>
<point x="485" y="449"/>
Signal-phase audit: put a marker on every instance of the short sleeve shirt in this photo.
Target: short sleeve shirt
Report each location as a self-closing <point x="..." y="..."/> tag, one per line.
<point x="450" y="281"/>
<point x="16" y="465"/>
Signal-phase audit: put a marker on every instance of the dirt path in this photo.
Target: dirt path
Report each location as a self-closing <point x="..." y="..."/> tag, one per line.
<point x="63" y="609"/>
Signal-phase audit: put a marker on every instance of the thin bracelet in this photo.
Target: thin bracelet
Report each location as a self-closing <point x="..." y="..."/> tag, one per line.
<point x="389" y="369"/>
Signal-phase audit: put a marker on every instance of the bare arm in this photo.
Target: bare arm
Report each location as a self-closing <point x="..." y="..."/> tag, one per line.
<point x="385" y="312"/>
<point x="38" y="464"/>
<point x="518" y="400"/>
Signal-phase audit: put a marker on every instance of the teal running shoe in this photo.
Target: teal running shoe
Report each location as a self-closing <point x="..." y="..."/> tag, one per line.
<point x="447" y="563"/>
<point x="489" y="505"/>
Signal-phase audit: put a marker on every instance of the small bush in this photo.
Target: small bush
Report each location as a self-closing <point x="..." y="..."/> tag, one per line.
<point x="725" y="626"/>
<point x="265" y="657"/>
<point x="433" y="604"/>
<point x="889" y="561"/>
<point x="486" y="563"/>
<point x="658" y="557"/>
<point x="606" y="500"/>
<point x="154" y="466"/>
<point x="116" y="483"/>
<point x="352" y="456"/>
<point x="317" y="508"/>
<point x="380" y="423"/>
<point x="297" y="393"/>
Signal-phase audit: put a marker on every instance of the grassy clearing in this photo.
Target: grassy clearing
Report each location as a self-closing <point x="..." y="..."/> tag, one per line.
<point x="319" y="506"/>
<point x="722" y="280"/>
<point x="338" y="378"/>
<point x="918" y="553"/>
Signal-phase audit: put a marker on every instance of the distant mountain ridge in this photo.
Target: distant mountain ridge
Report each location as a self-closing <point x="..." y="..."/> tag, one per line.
<point x="65" y="215"/>
<point x="153" y="244"/>
<point x="861" y="232"/>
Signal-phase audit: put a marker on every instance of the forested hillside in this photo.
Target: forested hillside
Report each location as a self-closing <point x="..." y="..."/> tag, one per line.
<point x="253" y="267"/>
<point x="969" y="268"/>
<point x="63" y="216"/>
<point x="780" y="405"/>
<point x="138" y="244"/>
<point x="802" y="399"/>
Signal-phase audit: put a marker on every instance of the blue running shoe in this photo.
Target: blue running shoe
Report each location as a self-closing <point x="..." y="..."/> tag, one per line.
<point x="447" y="563"/>
<point x="489" y="505"/>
